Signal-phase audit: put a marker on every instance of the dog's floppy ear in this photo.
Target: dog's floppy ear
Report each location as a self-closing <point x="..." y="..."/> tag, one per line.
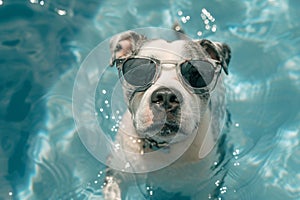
<point x="125" y="44"/>
<point x="218" y="51"/>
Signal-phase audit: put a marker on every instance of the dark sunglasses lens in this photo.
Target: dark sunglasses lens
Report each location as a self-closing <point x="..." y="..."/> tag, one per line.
<point x="197" y="73"/>
<point x="139" y="71"/>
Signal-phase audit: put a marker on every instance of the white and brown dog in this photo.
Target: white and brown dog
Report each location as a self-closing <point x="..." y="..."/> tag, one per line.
<point x="176" y="109"/>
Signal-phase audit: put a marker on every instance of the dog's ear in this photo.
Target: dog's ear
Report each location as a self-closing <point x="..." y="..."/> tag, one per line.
<point x="218" y="51"/>
<point x="125" y="44"/>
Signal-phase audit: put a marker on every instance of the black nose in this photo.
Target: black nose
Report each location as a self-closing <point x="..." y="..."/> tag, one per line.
<point x="167" y="99"/>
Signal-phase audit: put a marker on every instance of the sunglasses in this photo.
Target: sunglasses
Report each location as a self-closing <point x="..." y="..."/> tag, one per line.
<point x="200" y="76"/>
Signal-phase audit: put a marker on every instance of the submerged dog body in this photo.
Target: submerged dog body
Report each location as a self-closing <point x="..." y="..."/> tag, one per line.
<point x="174" y="114"/>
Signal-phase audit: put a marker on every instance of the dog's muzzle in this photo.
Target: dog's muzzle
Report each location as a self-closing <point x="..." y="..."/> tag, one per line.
<point x="166" y="106"/>
<point x="166" y="99"/>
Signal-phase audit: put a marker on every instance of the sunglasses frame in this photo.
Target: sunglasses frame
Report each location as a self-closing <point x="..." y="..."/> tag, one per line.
<point x="119" y="63"/>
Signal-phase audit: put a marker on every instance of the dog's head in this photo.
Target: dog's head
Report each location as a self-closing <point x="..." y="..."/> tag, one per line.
<point x="166" y="94"/>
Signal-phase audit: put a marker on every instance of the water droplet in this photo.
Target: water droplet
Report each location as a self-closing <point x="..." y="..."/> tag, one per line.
<point x="117" y="146"/>
<point x="199" y="33"/>
<point x="103" y="91"/>
<point x="236" y="152"/>
<point x="179" y="12"/>
<point x="183" y="19"/>
<point x="223" y="190"/>
<point x="61" y="12"/>
<point x="177" y="28"/>
<point x="214" y="28"/>
<point x="127" y="165"/>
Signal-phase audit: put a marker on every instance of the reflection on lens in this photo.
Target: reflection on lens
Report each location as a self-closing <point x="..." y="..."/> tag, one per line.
<point x="139" y="71"/>
<point x="197" y="73"/>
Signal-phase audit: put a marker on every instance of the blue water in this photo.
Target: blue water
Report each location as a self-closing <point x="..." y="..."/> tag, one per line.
<point x="43" y="43"/>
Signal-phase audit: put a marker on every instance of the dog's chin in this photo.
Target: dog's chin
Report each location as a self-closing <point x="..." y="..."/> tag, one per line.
<point x="162" y="133"/>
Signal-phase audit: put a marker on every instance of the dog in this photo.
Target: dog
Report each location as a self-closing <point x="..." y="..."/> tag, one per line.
<point x="175" y="97"/>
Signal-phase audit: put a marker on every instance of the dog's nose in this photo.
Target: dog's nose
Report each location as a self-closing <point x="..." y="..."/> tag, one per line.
<point x="166" y="99"/>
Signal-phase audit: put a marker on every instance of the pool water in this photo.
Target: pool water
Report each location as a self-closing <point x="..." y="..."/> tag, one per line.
<point x="43" y="43"/>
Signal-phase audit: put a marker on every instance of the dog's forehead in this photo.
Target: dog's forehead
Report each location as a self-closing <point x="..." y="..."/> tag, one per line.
<point x="164" y="50"/>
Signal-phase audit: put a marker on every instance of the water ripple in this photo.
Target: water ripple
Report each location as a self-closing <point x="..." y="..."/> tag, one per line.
<point x="281" y="168"/>
<point x="260" y="18"/>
